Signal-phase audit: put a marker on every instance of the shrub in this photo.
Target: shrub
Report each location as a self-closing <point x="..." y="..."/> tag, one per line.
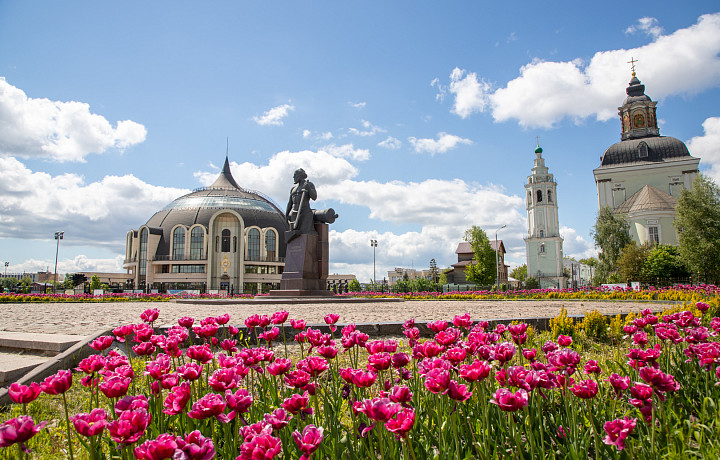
<point x="562" y="324"/>
<point x="595" y="325"/>
<point x="531" y="283"/>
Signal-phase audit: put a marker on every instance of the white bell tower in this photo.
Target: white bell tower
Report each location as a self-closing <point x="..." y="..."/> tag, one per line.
<point x="543" y="244"/>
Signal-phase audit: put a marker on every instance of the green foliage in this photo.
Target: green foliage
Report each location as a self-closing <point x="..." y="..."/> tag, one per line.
<point x="611" y="233"/>
<point x="616" y="327"/>
<point x="519" y="273"/>
<point x="697" y="221"/>
<point x="591" y="261"/>
<point x="354" y="286"/>
<point x="442" y="279"/>
<point x="9" y="283"/>
<point x="562" y="324"/>
<point x="631" y="261"/>
<point x="664" y="261"/>
<point x="484" y="270"/>
<point x="95" y="282"/>
<point x="531" y="283"/>
<point x="595" y="325"/>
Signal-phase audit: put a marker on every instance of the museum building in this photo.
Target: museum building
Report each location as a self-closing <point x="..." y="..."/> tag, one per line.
<point x="217" y="238"/>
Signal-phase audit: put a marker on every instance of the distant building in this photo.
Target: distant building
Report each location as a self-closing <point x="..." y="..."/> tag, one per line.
<point x="36" y="277"/>
<point x="640" y="177"/>
<point x="217" y="238"/>
<point x="466" y="256"/>
<point x="543" y="245"/>
<point x="400" y="274"/>
<point x="579" y="274"/>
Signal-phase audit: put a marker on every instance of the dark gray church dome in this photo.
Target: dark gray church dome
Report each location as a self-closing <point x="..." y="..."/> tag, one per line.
<point x="657" y="149"/>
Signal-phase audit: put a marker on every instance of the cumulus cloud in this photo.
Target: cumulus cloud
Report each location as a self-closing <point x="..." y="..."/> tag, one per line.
<point x="274" y="116"/>
<point x="357" y="105"/>
<point x="649" y="26"/>
<point x="347" y="151"/>
<point x="546" y="92"/>
<point x="391" y="143"/>
<point x="575" y="245"/>
<point x="35" y="204"/>
<point x="442" y="144"/>
<point x="79" y="263"/>
<point x="55" y="130"/>
<point x="707" y="147"/>
<point x="369" y="129"/>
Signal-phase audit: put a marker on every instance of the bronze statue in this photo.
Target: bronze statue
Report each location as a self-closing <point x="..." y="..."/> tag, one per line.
<point x="301" y="218"/>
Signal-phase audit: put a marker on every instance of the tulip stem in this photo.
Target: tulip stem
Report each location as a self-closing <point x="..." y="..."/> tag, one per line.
<point x="67" y="420"/>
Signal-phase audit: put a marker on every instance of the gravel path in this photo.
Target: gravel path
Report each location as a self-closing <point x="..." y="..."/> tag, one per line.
<point x="86" y="318"/>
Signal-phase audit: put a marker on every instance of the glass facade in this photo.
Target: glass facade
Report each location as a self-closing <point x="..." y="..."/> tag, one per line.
<point x="178" y="249"/>
<point x="225" y="246"/>
<point x="253" y="250"/>
<point x="270" y="245"/>
<point x="188" y="268"/>
<point x="197" y="242"/>
<point x="142" y="254"/>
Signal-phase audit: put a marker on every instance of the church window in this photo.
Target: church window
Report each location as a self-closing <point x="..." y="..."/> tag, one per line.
<point x="549" y="196"/>
<point x="653" y="235"/>
<point x="270" y="244"/>
<point x="253" y="251"/>
<point x="225" y="241"/>
<point x="529" y="201"/>
<point x="542" y="233"/>
<point x="542" y="249"/>
<point x="178" y="250"/>
<point x="197" y="243"/>
<point x="642" y="150"/>
<point x="539" y="196"/>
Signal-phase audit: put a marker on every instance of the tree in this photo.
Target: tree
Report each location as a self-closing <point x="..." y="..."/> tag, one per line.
<point x="519" y="273"/>
<point x="9" y="283"/>
<point x="697" y="220"/>
<point x="484" y="270"/>
<point x="434" y="274"/>
<point x="95" y="283"/>
<point x="611" y="234"/>
<point x="591" y="261"/>
<point x="631" y="261"/>
<point x="664" y="261"/>
<point x="531" y="283"/>
<point x="354" y="285"/>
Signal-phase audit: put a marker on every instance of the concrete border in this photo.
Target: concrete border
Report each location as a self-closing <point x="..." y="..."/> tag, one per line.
<point x="289" y="300"/>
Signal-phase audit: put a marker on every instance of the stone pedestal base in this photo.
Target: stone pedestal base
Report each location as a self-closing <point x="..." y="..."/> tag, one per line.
<point x="306" y="266"/>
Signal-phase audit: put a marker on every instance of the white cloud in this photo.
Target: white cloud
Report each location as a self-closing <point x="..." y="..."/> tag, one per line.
<point x="347" y="151"/>
<point x="357" y="105"/>
<point x="707" y="147"/>
<point x="686" y="61"/>
<point x="274" y="116"/>
<point x="60" y="131"/>
<point x="370" y="129"/>
<point x="647" y="25"/>
<point x="575" y="245"/>
<point x="35" y="204"/>
<point x="327" y="135"/>
<point x="442" y="89"/>
<point x="306" y="133"/>
<point x="80" y="263"/>
<point x="391" y="143"/>
<point x="470" y="93"/>
<point x="442" y="144"/>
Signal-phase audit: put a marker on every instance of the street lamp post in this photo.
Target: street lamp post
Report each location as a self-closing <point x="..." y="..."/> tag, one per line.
<point x="497" y="261"/>
<point x="58" y="237"/>
<point x="373" y="243"/>
<point x="6" y="266"/>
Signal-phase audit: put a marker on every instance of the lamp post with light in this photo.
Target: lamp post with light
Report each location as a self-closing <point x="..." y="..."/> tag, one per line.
<point x="373" y="243"/>
<point x="58" y="237"/>
<point x="497" y="260"/>
<point x="6" y="266"/>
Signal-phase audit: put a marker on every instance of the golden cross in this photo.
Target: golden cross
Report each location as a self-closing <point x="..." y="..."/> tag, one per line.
<point x="537" y="138"/>
<point x="632" y="62"/>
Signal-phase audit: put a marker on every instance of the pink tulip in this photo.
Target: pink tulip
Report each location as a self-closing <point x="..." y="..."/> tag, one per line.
<point x="240" y="401"/>
<point x="362" y="379"/>
<point x="150" y="315"/>
<point x="313" y="365"/>
<point x="262" y="447"/>
<point x="297" y="378"/>
<point x="437" y="381"/>
<point x="129" y="426"/>
<point x="279" y="317"/>
<point x="115" y="386"/>
<point x="331" y="318"/>
<point x="298" y="324"/>
<point x="129" y="403"/>
<point x="210" y="405"/>
<point x="101" y="343"/>
<point x="437" y="326"/>
<point x="195" y="447"/>
<point x="477" y="370"/>
<point x="379" y="361"/>
<point x="223" y="379"/>
<point x="91" y="424"/>
<point x="177" y="399"/>
<point x="24" y="394"/>
<point x="503" y="352"/>
<point x="400" y="394"/>
<point x="144" y="349"/>
<point x="327" y="352"/>
<point x="585" y="389"/>
<point x="564" y="340"/>
<point x="160" y="448"/>
<point x="190" y="371"/>
<point x="618" y="430"/>
<point x="296" y="403"/>
<point x="200" y="353"/>
<point x="58" y="383"/>
<point x="280" y="366"/>
<point x="508" y="401"/>
<point x="592" y="367"/>
<point x="278" y="419"/>
<point x="530" y="355"/>
<point x="380" y="409"/>
<point x="619" y="383"/>
<point x="660" y="381"/>
<point x="18" y="430"/>
<point x="186" y="321"/>
<point x="402" y="423"/>
<point x="463" y="321"/>
<point x="123" y="331"/>
<point x="458" y="392"/>
<point x="223" y="319"/>
<point x="309" y="440"/>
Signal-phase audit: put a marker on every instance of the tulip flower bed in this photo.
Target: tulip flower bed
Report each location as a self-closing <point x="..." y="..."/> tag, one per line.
<point x="469" y="392"/>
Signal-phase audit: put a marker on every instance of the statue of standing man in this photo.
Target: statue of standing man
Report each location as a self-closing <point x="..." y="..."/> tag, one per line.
<point x="301" y="218"/>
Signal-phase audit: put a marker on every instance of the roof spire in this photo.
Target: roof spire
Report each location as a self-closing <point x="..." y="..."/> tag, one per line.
<point x="225" y="179"/>
<point x="538" y="149"/>
<point x="227" y="147"/>
<point x="632" y="62"/>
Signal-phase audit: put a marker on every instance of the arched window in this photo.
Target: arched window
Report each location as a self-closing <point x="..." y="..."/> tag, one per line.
<point x="234" y="243"/>
<point x="529" y="198"/>
<point x="253" y="250"/>
<point x="539" y="196"/>
<point x="542" y="249"/>
<point x="549" y="194"/>
<point x="225" y="241"/>
<point x="270" y="245"/>
<point x="197" y="243"/>
<point x="542" y="233"/>
<point x="178" y="248"/>
<point x="142" y="256"/>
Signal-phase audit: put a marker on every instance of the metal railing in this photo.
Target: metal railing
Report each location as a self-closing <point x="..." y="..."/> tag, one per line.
<point x="180" y="257"/>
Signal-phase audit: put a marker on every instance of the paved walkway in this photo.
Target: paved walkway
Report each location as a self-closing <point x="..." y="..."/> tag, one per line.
<point x="87" y="318"/>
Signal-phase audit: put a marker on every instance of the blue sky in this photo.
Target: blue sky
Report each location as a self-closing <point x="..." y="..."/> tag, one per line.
<point x="414" y="119"/>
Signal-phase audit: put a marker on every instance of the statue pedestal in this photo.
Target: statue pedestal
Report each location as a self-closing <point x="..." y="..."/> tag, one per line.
<point x="306" y="266"/>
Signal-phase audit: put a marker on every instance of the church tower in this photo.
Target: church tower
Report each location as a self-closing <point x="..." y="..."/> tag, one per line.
<point x="543" y="244"/>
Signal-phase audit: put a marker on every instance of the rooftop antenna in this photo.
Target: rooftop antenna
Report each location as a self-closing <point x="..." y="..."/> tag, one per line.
<point x="227" y="148"/>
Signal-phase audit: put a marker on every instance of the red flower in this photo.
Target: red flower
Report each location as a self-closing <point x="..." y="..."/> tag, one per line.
<point x="379" y="361"/>
<point x="101" y="343"/>
<point x="297" y="324"/>
<point x="477" y="370"/>
<point x="22" y="394"/>
<point x="190" y="371"/>
<point x="458" y="392"/>
<point x="437" y="381"/>
<point x="362" y="379"/>
<point x="463" y="321"/>
<point x="309" y="440"/>
<point x="530" y="355"/>
<point x="402" y="423"/>
<point x="177" y="399"/>
<point x="400" y="360"/>
<point x="331" y="318"/>
<point x="210" y="405"/>
<point x="115" y="386"/>
<point x="58" y="383"/>
<point x="201" y="353"/>
<point x="279" y="317"/>
<point x="240" y="401"/>
<point x="400" y="394"/>
<point x="121" y="332"/>
<point x="619" y="383"/>
<point x="278" y="419"/>
<point x="437" y="326"/>
<point x="262" y="447"/>
<point x="195" y="446"/>
<point x="223" y="319"/>
<point x="564" y="340"/>
<point x="186" y="321"/>
<point x="163" y="447"/>
<point x="660" y="381"/>
<point x="131" y="403"/>
<point x="380" y="409"/>
<point x="18" y="430"/>
<point x="150" y="315"/>
<point x="618" y="430"/>
<point x="297" y="379"/>
<point x="585" y="389"/>
<point x="327" y="352"/>
<point x="144" y="349"/>
<point x="223" y="379"/>
<point x="313" y="365"/>
<point x="129" y="426"/>
<point x="91" y="424"/>
<point x="592" y="367"/>
<point x="296" y="403"/>
<point x="280" y="366"/>
<point x="508" y="401"/>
